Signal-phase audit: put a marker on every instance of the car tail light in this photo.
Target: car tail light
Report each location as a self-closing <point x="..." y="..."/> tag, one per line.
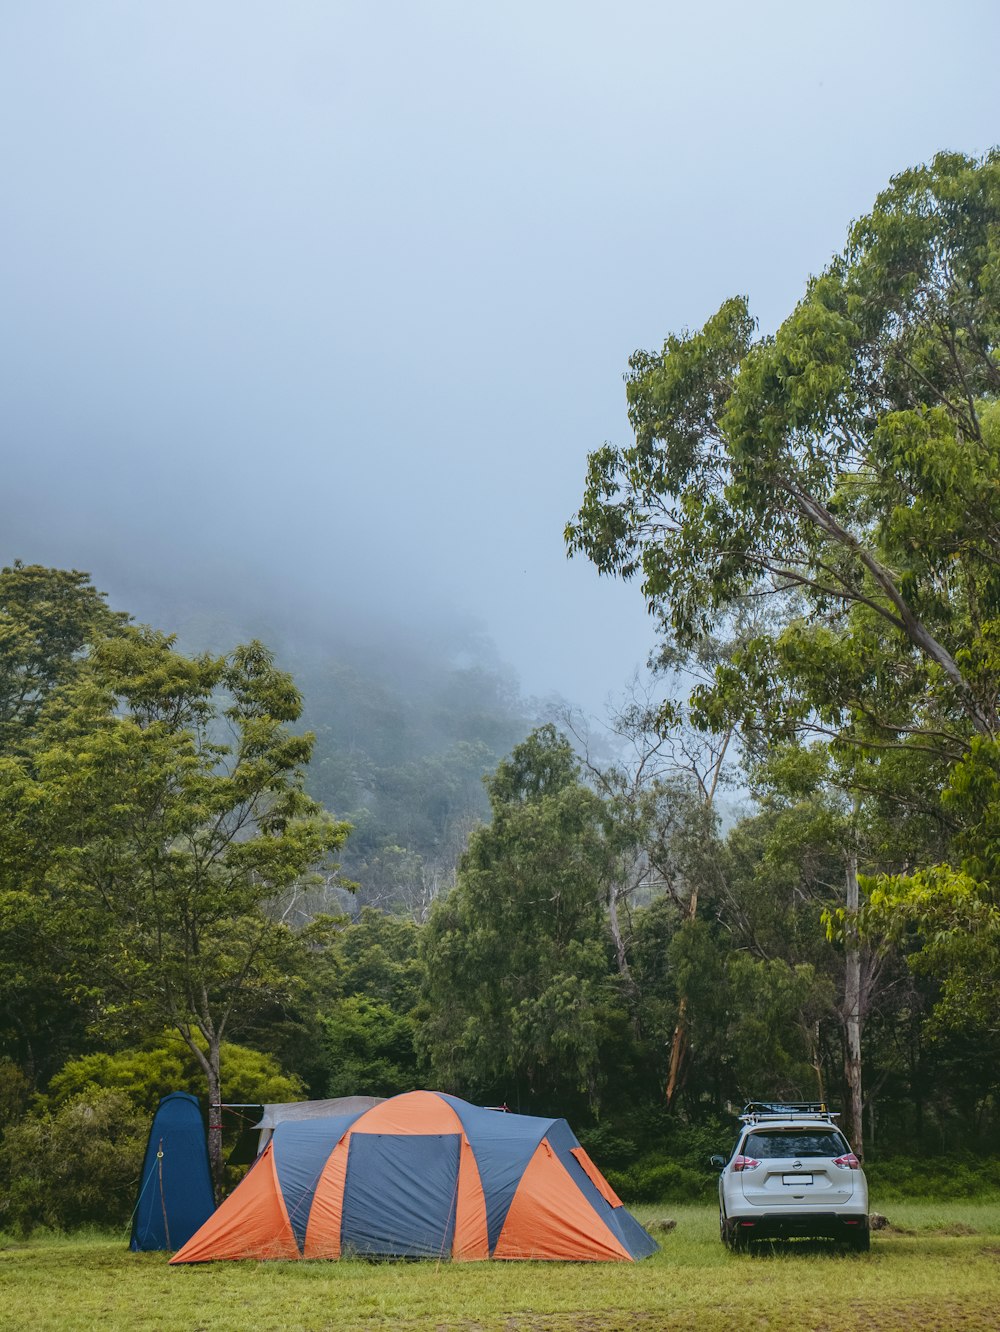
<point x="848" y="1162"/>
<point x="744" y="1163"/>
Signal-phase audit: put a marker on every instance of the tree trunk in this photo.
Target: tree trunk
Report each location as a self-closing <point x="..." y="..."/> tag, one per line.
<point x="817" y="1063"/>
<point x="621" y="953"/>
<point x="852" y="1011"/>
<point x="210" y="1063"/>
<point x="215" y="1120"/>
<point x="678" y="1047"/>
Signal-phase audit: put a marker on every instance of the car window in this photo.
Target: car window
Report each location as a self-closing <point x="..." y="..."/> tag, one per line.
<point x="767" y="1144"/>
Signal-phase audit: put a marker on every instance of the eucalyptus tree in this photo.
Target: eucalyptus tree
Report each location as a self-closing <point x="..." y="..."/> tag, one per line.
<point x="851" y="457"/>
<point x="160" y="818"/>
<point x="523" y="995"/>
<point x="850" y="461"/>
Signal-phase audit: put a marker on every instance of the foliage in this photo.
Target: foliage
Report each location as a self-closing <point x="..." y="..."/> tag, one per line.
<point x="655" y="1179"/>
<point x="851" y="458"/>
<point x="402" y="746"/>
<point x="518" y="978"/>
<point x="75" y="1165"/>
<point x="157" y="821"/>
<point x="249" y="1076"/>
<point x="664" y="1158"/>
<point x="367" y="980"/>
<point x="950" y="926"/>
<point x="49" y="620"/>
<point x="752" y="1019"/>
<point x="376" y="955"/>
<point x="949" y="1174"/>
<point x="165" y="845"/>
<point x="776" y="1008"/>
<point x="844" y="470"/>
<point x="369" y="1049"/>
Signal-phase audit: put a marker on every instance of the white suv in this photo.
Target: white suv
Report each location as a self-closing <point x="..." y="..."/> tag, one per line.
<point x="792" y="1173"/>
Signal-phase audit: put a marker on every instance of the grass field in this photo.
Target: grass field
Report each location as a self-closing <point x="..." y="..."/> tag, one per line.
<point x="938" y="1268"/>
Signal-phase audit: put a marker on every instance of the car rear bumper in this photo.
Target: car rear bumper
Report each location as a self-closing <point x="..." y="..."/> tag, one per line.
<point x="787" y="1224"/>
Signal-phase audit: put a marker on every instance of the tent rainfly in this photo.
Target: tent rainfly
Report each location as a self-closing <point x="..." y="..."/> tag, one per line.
<point x="273" y="1115"/>
<point x="422" y="1175"/>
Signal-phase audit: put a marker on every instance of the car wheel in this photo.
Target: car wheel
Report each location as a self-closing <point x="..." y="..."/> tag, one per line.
<point x="860" y="1240"/>
<point x="730" y="1234"/>
<point x="739" y="1239"/>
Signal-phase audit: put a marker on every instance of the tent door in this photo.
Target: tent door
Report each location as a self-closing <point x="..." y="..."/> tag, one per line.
<point x="400" y="1195"/>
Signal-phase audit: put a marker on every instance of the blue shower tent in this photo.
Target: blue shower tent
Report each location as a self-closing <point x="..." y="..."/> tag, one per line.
<point x="175" y="1189"/>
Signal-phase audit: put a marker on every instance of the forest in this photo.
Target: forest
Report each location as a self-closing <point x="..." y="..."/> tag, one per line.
<point x="272" y="873"/>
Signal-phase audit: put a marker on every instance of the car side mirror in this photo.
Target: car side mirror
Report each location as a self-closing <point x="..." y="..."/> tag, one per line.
<point x="719" y="1161"/>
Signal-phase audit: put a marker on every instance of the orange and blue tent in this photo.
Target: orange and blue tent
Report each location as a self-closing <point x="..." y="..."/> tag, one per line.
<point x="422" y="1175"/>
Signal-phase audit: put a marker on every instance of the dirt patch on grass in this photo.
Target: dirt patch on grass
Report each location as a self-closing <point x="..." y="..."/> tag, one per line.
<point x="958" y="1229"/>
<point x="950" y="1316"/>
<point x="594" y="1322"/>
<point x="944" y="1316"/>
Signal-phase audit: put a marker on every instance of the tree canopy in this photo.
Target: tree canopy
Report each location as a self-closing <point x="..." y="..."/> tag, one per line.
<point x="850" y="458"/>
<point x="155" y="821"/>
<point x="519" y="977"/>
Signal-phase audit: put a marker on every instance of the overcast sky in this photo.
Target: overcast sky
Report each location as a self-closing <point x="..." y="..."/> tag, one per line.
<point x="333" y="299"/>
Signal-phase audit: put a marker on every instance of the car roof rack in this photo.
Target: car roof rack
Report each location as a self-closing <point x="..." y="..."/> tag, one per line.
<point x="755" y="1111"/>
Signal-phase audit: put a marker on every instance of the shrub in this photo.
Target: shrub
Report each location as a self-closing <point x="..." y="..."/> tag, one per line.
<point x="145" y="1075"/>
<point x="607" y="1148"/>
<point x="368" y="1048"/>
<point x="657" y="1180"/>
<point x="77" y="1166"/>
<point x="15" y="1093"/>
<point x="76" y="1157"/>
<point x="933" y="1177"/>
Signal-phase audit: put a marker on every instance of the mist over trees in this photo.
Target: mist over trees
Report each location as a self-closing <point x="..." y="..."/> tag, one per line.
<point x="404" y="760"/>
<point x="265" y="871"/>
<point x="407" y="724"/>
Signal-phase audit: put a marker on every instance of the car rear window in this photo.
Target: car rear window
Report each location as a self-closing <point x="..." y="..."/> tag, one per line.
<point x="767" y="1144"/>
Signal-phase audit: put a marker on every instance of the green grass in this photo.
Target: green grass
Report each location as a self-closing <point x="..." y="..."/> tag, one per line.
<point x="937" y="1269"/>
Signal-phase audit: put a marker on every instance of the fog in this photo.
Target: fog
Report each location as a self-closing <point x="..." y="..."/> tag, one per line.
<point x="311" y="312"/>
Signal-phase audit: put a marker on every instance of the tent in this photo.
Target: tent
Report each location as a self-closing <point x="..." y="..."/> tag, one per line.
<point x="422" y="1175"/>
<point x="175" y="1189"/>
